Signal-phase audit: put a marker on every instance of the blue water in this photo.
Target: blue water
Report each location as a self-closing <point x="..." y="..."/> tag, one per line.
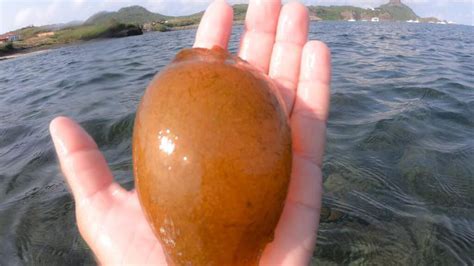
<point x="399" y="166"/>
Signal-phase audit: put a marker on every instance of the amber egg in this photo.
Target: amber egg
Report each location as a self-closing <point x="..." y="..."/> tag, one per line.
<point x="212" y="159"/>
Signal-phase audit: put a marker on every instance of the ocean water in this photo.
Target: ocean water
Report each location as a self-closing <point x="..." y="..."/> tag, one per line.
<point x="399" y="165"/>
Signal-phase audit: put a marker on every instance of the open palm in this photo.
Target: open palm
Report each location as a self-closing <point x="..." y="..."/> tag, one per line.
<point x="110" y="218"/>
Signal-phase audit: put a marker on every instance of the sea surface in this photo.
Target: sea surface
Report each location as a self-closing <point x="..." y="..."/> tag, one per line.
<point x="399" y="165"/>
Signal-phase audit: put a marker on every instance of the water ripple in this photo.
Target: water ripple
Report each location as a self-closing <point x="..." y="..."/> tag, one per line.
<point x="398" y="173"/>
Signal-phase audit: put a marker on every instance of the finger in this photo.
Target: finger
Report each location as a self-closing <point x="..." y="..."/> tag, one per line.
<point x="215" y="26"/>
<point x="259" y="36"/>
<point x="310" y="112"/>
<point x="295" y="234"/>
<point x="82" y="163"/>
<point x="292" y="34"/>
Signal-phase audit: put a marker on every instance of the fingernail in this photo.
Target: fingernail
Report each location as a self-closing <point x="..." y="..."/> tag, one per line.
<point x="58" y="144"/>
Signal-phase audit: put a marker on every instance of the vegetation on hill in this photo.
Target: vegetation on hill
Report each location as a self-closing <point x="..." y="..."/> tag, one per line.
<point x="89" y="32"/>
<point x="170" y="23"/>
<point x="240" y="10"/>
<point x="131" y="20"/>
<point x="335" y="12"/>
<point x="6" y="48"/>
<point x="399" y="12"/>
<point x="130" y="15"/>
<point x="31" y="38"/>
<point x="385" y="12"/>
<point x="140" y="16"/>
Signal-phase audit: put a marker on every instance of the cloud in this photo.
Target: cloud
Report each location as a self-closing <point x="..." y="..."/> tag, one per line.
<point x="43" y="14"/>
<point x="22" y="16"/>
<point x="78" y="3"/>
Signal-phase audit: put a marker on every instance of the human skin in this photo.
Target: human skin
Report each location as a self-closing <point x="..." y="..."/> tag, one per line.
<point x="110" y="218"/>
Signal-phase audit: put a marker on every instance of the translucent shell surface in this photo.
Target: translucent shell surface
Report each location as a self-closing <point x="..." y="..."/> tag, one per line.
<point x="212" y="159"/>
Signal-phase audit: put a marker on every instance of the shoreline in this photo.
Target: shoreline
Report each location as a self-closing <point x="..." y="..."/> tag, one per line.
<point x="40" y="49"/>
<point x="16" y="55"/>
<point x="35" y="50"/>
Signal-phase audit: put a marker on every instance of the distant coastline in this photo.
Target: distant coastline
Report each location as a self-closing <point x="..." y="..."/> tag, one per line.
<point x="135" y="20"/>
<point x="31" y="39"/>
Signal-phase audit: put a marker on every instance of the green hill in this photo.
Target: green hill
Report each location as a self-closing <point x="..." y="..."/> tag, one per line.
<point x="134" y="20"/>
<point x="395" y="10"/>
<point x="239" y="11"/>
<point x="138" y="15"/>
<point x="399" y="11"/>
<point x="389" y="12"/>
<point x="131" y="15"/>
<point x="336" y="12"/>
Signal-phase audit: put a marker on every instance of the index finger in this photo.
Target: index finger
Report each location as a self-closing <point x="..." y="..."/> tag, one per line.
<point x="215" y="26"/>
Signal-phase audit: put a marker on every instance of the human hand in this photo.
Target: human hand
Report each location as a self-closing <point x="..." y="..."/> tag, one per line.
<point x="110" y="218"/>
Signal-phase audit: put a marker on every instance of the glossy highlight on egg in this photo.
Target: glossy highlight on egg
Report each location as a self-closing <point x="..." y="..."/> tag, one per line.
<point x="212" y="158"/>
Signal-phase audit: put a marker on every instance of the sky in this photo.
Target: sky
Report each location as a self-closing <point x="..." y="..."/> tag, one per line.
<point x="15" y="14"/>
